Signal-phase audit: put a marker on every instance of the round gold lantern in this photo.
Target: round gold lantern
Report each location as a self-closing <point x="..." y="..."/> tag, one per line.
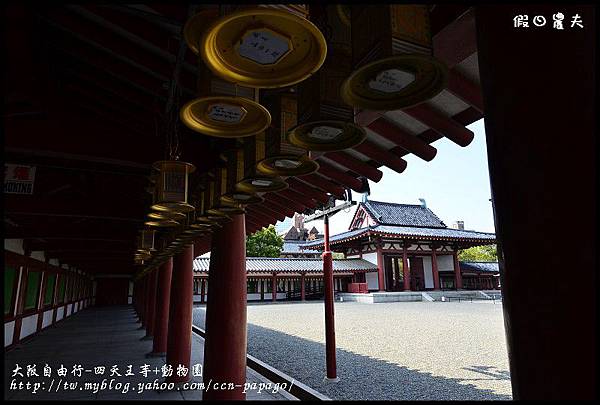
<point x="258" y="183"/>
<point x="396" y="82"/>
<point x="261" y="47"/>
<point x="327" y="136"/>
<point x="165" y="223"/>
<point x="172" y="215"/>
<point x="172" y="186"/>
<point x="225" y="116"/>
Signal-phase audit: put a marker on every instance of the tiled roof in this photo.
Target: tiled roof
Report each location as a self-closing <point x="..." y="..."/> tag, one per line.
<point x="488" y="267"/>
<point x="293" y="246"/>
<point x="282" y="265"/>
<point x="409" y="232"/>
<point x="402" y="214"/>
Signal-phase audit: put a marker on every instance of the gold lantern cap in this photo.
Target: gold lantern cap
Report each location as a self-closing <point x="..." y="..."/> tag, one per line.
<point x="162" y="215"/>
<point x="287" y="165"/>
<point x="291" y="47"/>
<point x="165" y="223"/>
<point x="396" y="82"/>
<point x="327" y="136"/>
<point x="225" y="116"/>
<point x="240" y="197"/>
<point x="262" y="183"/>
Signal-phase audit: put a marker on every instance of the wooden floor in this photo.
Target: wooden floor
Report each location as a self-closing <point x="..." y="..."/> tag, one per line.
<point x="100" y="337"/>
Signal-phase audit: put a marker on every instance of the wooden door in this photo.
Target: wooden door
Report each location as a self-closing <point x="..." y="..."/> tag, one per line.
<point x="417" y="275"/>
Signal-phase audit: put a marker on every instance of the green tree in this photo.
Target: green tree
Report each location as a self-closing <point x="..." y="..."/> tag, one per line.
<point x="264" y="243"/>
<point x="487" y="253"/>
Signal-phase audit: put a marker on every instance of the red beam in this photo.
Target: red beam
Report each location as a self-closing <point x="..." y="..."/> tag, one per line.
<point x="382" y="156"/>
<point x="357" y="166"/>
<point x="403" y="139"/>
<point x="340" y="177"/>
<point x="323" y="184"/>
<point x="457" y="41"/>
<point x="297" y="198"/>
<point x="465" y="90"/>
<point x="307" y="190"/>
<point x="293" y="204"/>
<point x="445" y="126"/>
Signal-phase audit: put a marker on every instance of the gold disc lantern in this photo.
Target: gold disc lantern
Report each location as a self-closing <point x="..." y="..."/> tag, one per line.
<point x="236" y="171"/>
<point x="263" y="47"/>
<point x="325" y="123"/>
<point x="223" y="185"/>
<point x="392" y="52"/>
<point x="223" y="110"/>
<point x="254" y="181"/>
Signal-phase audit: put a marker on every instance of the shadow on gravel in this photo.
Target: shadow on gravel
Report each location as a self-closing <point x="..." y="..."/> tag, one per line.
<point x="361" y="377"/>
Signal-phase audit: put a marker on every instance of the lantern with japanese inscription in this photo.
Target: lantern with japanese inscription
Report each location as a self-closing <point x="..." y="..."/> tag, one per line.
<point x="223" y="110"/>
<point x="263" y="47"/>
<point x="172" y="186"/>
<point x="324" y="122"/>
<point x="392" y="53"/>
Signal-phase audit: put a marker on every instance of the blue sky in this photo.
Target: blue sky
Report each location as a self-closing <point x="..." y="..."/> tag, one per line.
<point x="455" y="185"/>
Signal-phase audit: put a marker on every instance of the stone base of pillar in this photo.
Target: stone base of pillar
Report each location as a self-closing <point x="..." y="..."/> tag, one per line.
<point x="331" y="380"/>
<point x="147" y="337"/>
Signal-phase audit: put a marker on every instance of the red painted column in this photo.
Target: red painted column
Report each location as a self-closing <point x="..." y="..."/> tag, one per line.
<point x="405" y="268"/>
<point x="150" y="314"/>
<point x="457" y="274"/>
<point x="274" y="287"/>
<point x="380" y="269"/>
<point x="434" y="270"/>
<point x="329" y="307"/>
<point x="303" y="287"/>
<point x="161" y="311"/>
<point x="179" y="340"/>
<point x="225" y="342"/>
<point x="202" y="291"/>
<point x="142" y="312"/>
<point x="262" y="289"/>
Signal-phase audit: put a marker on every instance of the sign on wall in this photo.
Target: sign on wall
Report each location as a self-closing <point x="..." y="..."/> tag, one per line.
<point x="18" y="179"/>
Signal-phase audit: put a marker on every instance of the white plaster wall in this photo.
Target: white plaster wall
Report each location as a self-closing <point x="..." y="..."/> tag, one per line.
<point x="59" y="313"/>
<point x="353" y="257"/>
<point x="130" y="300"/>
<point x="9" y="330"/>
<point x="38" y="255"/>
<point x="371" y="257"/>
<point x="14" y="245"/>
<point x="445" y="263"/>
<point x="69" y="309"/>
<point x="28" y="326"/>
<point x="427" y="271"/>
<point x="372" y="280"/>
<point x="53" y="262"/>
<point x="130" y="288"/>
<point x="47" y="318"/>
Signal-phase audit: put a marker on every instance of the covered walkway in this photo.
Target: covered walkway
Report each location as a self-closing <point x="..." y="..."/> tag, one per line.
<point x="101" y="337"/>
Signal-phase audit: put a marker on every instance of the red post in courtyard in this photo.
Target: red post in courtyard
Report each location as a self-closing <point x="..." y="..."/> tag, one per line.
<point x="303" y="287"/>
<point x="434" y="269"/>
<point x="179" y="341"/>
<point x="225" y="341"/>
<point x="457" y="275"/>
<point x="329" y="318"/>
<point x="380" y="270"/>
<point x="161" y="311"/>
<point x="152" y="280"/>
<point x="405" y="269"/>
<point x="202" y="291"/>
<point x="274" y="287"/>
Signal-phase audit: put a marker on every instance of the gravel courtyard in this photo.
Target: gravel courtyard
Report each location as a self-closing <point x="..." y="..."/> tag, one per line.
<point x="394" y="351"/>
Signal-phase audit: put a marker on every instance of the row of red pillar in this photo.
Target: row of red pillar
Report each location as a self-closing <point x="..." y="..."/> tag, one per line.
<point x="163" y="301"/>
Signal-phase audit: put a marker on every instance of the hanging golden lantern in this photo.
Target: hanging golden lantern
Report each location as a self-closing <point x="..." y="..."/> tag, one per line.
<point x="236" y="170"/>
<point x="172" y="186"/>
<point x="273" y="153"/>
<point x="205" y="202"/>
<point x="392" y="52"/>
<point x="325" y="123"/>
<point x="223" y="109"/>
<point x="162" y="215"/>
<point x="223" y="184"/>
<point x="261" y="47"/>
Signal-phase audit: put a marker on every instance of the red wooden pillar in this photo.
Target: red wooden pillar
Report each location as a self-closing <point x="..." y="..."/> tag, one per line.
<point x="274" y="287"/>
<point x="405" y="269"/>
<point x="161" y="311"/>
<point x="434" y="269"/>
<point x="303" y="286"/>
<point x="225" y="342"/>
<point x="150" y="314"/>
<point x="202" y="291"/>
<point x="179" y="340"/>
<point x="380" y="268"/>
<point x="457" y="274"/>
<point x="142" y="314"/>
<point x="329" y="310"/>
